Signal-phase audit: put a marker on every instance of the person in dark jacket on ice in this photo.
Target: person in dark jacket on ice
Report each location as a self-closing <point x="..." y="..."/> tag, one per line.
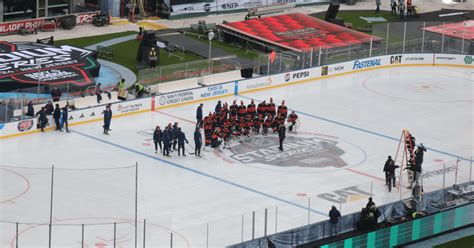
<point x="107" y="119"/>
<point x="197" y="142"/>
<point x="166" y="141"/>
<point x="57" y="117"/>
<point x="43" y="119"/>
<point x="334" y="216"/>
<point x="174" y="135"/>
<point x="281" y="135"/>
<point x="390" y="174"/>
<point x="385" y="169"/>
<point x="157" y="138"/>
<point x="181" y="139"/>
<point x="218" y="107"/>
<point x="64" y="118"/>
<point x="199" y="115"/>
<point x="31" y="109"/>
<point x="419" y="153"/>
<point x="49" y="108"/>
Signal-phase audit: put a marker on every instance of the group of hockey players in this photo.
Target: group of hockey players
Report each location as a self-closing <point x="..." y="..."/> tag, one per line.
<point x="168" y="138"/>
<point x="234" y="121"/>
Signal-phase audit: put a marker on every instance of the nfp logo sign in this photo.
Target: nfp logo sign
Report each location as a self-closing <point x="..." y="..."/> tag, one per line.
<point x="230" y="5"/>
<point x="468" y="59"/>
<point x="366" y="63"/>
<point x="309" y="152"/>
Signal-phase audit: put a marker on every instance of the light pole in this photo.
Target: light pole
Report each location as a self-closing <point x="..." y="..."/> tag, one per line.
<point x="210" y="36"/>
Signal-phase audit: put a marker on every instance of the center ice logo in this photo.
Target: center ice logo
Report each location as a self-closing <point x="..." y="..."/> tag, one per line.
<point x="301" y="152"/>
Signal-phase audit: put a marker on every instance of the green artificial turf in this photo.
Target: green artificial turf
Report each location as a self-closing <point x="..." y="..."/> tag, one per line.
<point x="466" y="242"/>
<point x="125" y="54"/>
<point x="353" y="16"/>
<point x="231" y="48"/>
<point x="87" y="41"/>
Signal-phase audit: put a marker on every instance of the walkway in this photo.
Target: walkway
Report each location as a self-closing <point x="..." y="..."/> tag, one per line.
<point x="127" y="74"/>
<point x="112" y="42"/>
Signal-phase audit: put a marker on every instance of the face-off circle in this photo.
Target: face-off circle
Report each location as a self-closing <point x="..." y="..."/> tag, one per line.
<point x="17" y="185"/>
<point x="302" y="153"/>
<point x="414" y="87"/>
<point x="98" y="233"/>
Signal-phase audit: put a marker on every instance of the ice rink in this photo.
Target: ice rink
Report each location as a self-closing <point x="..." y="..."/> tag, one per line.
<point x="348" y="126"/>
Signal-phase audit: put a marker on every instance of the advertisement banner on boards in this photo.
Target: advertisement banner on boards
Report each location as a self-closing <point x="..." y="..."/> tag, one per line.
<point x="182" y="7"/>
<point x="22" y="126"/>
<point x="85" y="18"/>
<point x="194" y="94"/>
<point x="367" y="63"/>
<point x="278" y="79"/>
<point x="118" y="108"/>
<point x="14" y="27"/>
<point x="189" y="7"/>
<point x="411" y="59"/>
<point x="31" y="24"/>
<point x="328" y="70"/>
<point x="454" y="59"/>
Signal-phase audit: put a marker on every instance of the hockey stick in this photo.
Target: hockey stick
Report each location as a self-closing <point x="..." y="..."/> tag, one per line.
<point x="192" y="153"/>
<point x="297" y="126"/>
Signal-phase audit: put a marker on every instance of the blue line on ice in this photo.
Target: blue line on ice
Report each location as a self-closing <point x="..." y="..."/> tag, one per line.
<point x="200" y="173"/>
<point x="363" y="130"/>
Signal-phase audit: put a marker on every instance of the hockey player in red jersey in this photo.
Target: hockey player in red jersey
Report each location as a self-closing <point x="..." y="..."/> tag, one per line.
<point x="251" y="109"/>
<point x="271" y="110"/>
<point x="262" y="108"/>
<point x="207" y="129"/>
<point x="248" y="124"/>
<point x="241" y="110"/>
<point x="283" y="110"/>
<point x="292" y="118"/>
<point x="233" y="108"/>
<point x="257" y="123"/>
<point x="267" y="124"/>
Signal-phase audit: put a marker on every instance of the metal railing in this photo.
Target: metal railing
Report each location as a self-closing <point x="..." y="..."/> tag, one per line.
<point x="390" y="38"/>
<point x="13" y="104"/>
<point x="162" y="74"/>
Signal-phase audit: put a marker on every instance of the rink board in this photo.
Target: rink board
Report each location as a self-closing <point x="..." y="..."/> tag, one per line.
<point x="196" y="95"/>
<point x="221" y="191"/>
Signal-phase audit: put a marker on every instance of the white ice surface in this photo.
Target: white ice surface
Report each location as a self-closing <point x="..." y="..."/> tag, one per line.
<point x="95" y="174"/>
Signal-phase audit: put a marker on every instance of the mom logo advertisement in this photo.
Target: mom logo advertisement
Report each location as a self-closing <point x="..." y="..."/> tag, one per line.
<point x="29" y="63"/>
